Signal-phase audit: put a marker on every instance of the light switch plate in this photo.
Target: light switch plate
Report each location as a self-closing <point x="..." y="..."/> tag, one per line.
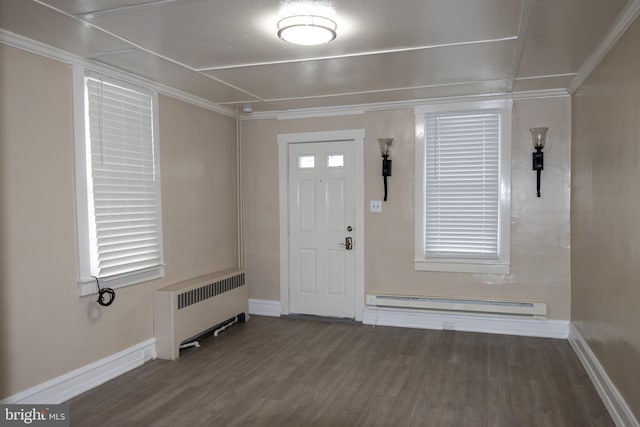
<point x="375" y="205"/>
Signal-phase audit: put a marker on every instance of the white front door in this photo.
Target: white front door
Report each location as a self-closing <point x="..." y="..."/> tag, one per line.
<point x="321" y="229"/>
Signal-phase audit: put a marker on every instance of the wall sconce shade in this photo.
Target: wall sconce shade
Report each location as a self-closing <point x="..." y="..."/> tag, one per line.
<point x="539" y="137"/>
<point x="386" y="146"/>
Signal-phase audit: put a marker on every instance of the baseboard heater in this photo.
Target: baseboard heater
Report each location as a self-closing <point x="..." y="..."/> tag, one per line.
<point x="459" y="305"/>
<point x="187" y="309"/>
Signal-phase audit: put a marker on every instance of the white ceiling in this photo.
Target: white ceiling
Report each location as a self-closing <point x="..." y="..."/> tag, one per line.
<point x="227" y="51"/>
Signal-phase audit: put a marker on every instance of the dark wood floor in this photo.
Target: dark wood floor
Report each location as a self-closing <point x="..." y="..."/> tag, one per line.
<point x="286" y="372"/>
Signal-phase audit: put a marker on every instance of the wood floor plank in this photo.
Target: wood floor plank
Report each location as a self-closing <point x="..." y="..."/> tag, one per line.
<point x="293" y="372"/>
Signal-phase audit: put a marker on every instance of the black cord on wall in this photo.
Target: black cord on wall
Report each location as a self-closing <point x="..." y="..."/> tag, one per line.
<point x="102" y="300"/>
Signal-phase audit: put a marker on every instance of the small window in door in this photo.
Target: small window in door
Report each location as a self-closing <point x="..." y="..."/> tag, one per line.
<point x="335" y="160"/>
<point x="306" y="161"/>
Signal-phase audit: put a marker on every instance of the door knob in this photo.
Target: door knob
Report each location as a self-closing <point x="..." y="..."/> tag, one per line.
<point x="348" y="243"/>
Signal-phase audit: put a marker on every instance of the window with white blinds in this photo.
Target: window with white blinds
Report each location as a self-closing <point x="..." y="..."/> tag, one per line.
<point x="462" y="169"/>
<point x="462" y="184"/>
<point x="123" y="218"/>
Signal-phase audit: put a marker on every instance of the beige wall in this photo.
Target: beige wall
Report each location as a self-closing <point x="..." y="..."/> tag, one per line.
<point x="605" y="222"/>
<point x="199" y="209"/>
<point x="539" y="230"/>
<point x="46" y="330"/>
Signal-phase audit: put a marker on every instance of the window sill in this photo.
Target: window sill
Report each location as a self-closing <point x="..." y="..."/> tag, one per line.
<point x="462" y="266"/>
<point x="89" y="286"/>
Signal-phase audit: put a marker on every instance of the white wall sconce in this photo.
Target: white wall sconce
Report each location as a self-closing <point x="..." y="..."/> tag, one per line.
<point x="539" y="137"/>
<point x="386" y="145"/>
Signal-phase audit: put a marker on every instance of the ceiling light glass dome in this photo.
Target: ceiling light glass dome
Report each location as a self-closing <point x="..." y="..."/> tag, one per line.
<point x="306" y="30"/>
<point x="306" y="22"/>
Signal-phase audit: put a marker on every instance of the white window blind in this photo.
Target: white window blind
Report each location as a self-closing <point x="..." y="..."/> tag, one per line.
<point x="123" y="195"/>
<point x="461" y="196"/>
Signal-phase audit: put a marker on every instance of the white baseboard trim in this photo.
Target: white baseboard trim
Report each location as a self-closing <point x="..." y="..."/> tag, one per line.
<point x="263" y="307"/>
<point x="611" y="397"/>
<point x="76" y="382"/>
<point x="424" y="319"/>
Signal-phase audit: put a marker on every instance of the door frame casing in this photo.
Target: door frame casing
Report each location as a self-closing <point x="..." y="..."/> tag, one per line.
<point x="356" y="137"/>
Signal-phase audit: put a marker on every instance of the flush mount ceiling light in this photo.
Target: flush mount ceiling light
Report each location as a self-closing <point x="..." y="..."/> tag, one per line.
<point x="306" y="30"/>
<point x="307" y="23"/>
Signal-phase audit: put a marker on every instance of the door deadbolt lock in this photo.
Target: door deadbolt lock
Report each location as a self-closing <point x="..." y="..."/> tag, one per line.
<point x="349" y="228"/>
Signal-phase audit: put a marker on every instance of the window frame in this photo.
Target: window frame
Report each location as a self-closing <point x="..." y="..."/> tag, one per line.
<point x="85" y="282"/>
<point x="465" y="265"/>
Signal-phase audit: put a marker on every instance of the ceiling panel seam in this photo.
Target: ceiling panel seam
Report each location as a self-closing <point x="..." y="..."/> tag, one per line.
<point x="366" y="92"/>
<point x="358" y="54"/>
<point x="525" y="16"/>
<point x="111" y="52"/>
<point x="173" y="61"/>
<point x="125" y="8"/>
<point x="546" y="76"/>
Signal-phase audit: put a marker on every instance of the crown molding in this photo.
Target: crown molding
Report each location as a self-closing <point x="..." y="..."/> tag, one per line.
<point x="56" y="54"/>
<point x="538" y="94"/>
<point x="309" y="113"/>
<point x="349" y="110"/>
<point x="626" y="18"/>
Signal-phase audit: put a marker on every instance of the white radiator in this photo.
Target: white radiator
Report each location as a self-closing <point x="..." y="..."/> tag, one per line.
<point x="186" y="309"/>
<point x="459" y="305"/>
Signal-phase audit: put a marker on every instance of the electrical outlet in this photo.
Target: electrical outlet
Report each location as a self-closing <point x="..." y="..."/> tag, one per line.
<point x="375" y="205"/>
